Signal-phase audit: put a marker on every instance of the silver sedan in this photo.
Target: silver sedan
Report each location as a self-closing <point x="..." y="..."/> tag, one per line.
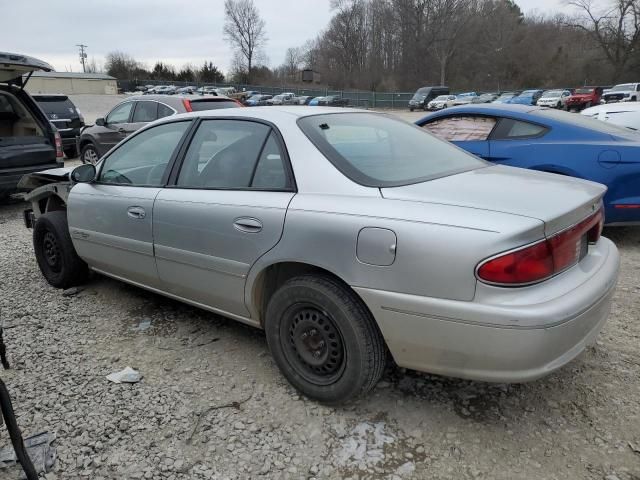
<point x="347" y="236"/>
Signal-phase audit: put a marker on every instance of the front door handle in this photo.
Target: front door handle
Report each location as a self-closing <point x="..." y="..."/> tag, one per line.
<point x="136" y="212"/>
<point x="247" y="224"/>
<point x="122" y="130"/>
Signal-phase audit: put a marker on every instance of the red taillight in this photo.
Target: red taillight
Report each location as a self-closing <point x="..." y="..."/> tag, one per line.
<point x="58" y="140"/>
<point x="187" y="105"/>
<point x="544" y="259"/>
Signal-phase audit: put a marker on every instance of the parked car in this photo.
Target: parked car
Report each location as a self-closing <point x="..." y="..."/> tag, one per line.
<point x="64" y="115"/>
<point x="258" y="100"/>
<point x="422" y="97"/>
<point x="249" y="94"/>
<point x="394" y="241"/>
<point x="440" y="102"/>
<point x="304" y="100"/>
<point x="624" y="114"/>
<point x="485" y="98"/>
<point x="464" y="98"/>
<point x="552" y="141"/>
<point x="28" y="141"/>
<point x="527" y="97"/>
<point x="314" y="102"/>
<point x="281" y="99"/>
<point x="625" y="92"/>
<point x="136" y="112"/>
<point x="504" y="97"/>
<point x="554" y="98"/>
<point x="189" y="90"/>
<point x="207" y="90"/>
<point x="164" y="90"/>
<point x="584" y="97"/>
<point x="334" y="101"/>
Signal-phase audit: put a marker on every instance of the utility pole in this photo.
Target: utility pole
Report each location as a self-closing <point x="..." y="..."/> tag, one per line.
<point x="83" y="56"/>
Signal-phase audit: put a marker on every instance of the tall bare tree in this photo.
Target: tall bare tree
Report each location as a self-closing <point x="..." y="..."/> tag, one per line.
<point x="616" y="29"/>
<point x="245" y="30"/>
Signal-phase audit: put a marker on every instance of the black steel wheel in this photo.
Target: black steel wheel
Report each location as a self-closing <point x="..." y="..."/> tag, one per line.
<point x="324" y="339"/>
<point x="311" y="340"/>
<point x="56" y="256"/>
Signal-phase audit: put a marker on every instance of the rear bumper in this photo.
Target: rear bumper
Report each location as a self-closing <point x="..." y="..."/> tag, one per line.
<point x="503" y="335"/>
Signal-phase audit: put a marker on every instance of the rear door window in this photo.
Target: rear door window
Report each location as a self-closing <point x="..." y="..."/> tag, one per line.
<point x="145" y="112"/>
<point x="164" y="111"/>
<point x="462" y="128"/>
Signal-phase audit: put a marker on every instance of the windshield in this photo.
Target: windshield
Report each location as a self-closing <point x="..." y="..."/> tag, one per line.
<point x="623" y="88"/>
<point x="584" y="91"/>
<point x="442" y="97"/>
<point x="380" y="151"/>
<point x="584" y="121"/>
<point x="418" y="96"/>
<point x="58" y="105"/>
<point x="552" y="94"/>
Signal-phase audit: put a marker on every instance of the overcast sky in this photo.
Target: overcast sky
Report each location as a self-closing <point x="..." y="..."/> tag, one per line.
<point x="175" y="31"/>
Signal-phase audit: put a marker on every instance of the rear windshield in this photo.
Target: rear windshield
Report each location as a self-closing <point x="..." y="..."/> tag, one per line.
<point x="55" y="104"/>
<point x="584" y="91"/>
<point x="200" y="105"/>
<point x="380" y="151"/>
<point x="584" y="121"/>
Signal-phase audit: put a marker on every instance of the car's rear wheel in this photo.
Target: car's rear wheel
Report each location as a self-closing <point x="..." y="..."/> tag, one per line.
<point x="57" y="259"/>
<point x="89" y="154"/>
<point x="324" y="339"/>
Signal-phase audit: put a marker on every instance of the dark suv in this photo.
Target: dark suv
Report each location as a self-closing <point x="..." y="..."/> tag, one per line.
<point x="134" y="113"/>
<point x="65" y="117"/>
<point x="28" y="141"/>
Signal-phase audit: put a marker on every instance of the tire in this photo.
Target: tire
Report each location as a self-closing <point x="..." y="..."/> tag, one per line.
<point x="324" y="340"/>
<point x="559" y="106"/>
<point x="587" y="105"/>
<point x="70" y="152"/>
<point x="89" y="154"/>
<point x="411" y="109"/>
<point x="57" y="259"/>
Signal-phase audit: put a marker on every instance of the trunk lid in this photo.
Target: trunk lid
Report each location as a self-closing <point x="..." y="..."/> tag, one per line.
<point x="556" y="200"/>
<point x="13" y="66"/>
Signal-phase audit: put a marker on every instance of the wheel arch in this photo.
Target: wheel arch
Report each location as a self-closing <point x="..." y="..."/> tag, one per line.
<point x="263" y="284"/>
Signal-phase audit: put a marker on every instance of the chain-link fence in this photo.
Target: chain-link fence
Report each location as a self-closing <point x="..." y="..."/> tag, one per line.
<point x="362" y="99"/>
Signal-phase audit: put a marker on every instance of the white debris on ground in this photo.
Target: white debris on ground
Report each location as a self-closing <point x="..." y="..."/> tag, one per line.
<point x="364" y="446"/>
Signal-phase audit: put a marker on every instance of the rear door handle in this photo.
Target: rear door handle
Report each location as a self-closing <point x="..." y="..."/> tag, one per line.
<point x="122" y="130"/>
<point x="136" y="212"/>
<point x="247" y="224"/>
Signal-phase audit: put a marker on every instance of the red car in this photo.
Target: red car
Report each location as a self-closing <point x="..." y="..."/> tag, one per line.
<point x="584" y="97"/>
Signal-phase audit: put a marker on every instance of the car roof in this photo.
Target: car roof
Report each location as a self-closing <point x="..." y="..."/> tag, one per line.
<point x="489" y="109"/>
<point x="274" y="113"/>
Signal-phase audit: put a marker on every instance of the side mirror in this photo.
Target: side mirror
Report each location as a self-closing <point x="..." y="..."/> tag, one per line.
<point x="84" y="173"/>
<point x="100" y="122"/>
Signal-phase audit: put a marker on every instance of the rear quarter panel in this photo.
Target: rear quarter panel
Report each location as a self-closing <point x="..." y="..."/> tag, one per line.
<point x="438" y="246"/>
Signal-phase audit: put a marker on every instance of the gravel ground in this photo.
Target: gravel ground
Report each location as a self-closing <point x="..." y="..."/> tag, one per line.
<point x="213" y="405"/>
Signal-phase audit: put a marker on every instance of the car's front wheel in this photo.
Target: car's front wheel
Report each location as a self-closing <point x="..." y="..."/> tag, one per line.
<point x="324" y="339"/>
<point x="89" y="154"/>
<point x="56" y="256"/>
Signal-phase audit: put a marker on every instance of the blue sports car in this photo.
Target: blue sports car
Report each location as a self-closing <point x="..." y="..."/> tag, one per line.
<point x="552" y="141"/>
<point x="528" y="97"/>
